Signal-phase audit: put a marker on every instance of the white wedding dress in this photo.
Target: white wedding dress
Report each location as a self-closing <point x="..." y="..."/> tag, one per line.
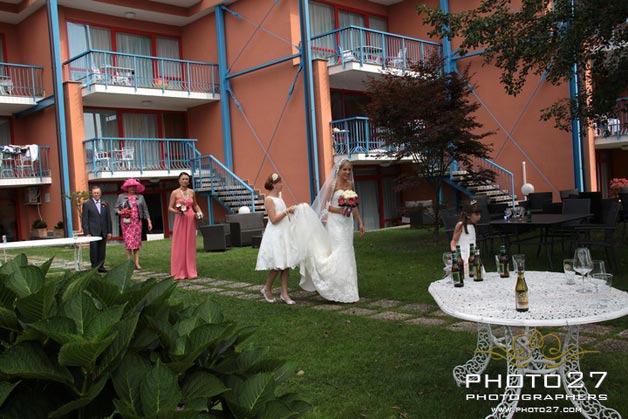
<point x="327" y="256"/>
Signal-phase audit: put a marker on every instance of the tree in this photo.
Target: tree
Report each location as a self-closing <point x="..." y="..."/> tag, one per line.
<point x="426" y="115"/>
<point x="549" y="37"/>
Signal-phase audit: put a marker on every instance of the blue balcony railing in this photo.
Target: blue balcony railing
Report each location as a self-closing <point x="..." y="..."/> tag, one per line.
<point x="25" y="162"/>
<point x="115" y="155"/>
<point x="368" y="46"/>
<point x="140" y="71"/>
<point x="21" y="80"/>
<point x="356" y="135"/>
<point x="615" y="125"/>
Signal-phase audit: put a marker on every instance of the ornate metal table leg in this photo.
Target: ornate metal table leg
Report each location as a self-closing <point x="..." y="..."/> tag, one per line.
<point x="481" y="357"/>
<point x="571" y="377"/>
<point x="507" y="407"/>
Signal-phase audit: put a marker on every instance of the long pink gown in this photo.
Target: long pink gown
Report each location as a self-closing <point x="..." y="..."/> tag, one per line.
<point x="183" y="254"/>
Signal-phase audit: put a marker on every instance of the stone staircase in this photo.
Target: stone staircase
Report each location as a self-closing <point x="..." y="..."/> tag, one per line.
<point x="230" y="196"/>
<point x="471" y="185"/>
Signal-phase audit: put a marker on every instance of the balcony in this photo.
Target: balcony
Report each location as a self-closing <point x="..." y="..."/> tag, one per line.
<point x="21" y="86"/>
<point x="356" y="53"/>
<point x="113" y="79"/>
<point x="613" y="132"/>
<point x="358" y="140"/>
<point x="115" y="158"/>
<point x="24" y="165"/>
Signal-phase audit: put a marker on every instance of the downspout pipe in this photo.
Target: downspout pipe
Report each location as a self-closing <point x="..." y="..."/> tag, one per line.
<point x="449" y="67"/>
<point x="223" y="71"/>
<point x="310" y="109"/>
<point x="57" y="81"/>
<point x="576" y="139"/>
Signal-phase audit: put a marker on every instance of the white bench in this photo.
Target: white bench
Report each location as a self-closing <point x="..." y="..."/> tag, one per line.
<point x="66" y="241"/>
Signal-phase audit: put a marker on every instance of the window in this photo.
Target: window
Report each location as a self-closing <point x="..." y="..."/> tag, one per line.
<point x="5" y="131"/>
<point x="323" y="19"/>
<point x="347" y="105"/>
<point x="82" y="37"/>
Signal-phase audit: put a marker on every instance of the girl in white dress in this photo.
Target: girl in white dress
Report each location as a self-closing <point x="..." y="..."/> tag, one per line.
<point x="464" y="232"/>
<point x="277" y="251"/>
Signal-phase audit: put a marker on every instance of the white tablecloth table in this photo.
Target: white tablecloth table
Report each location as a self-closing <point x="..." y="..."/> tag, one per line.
<point x="552" y="303"/>
<point x="66" y="241"/>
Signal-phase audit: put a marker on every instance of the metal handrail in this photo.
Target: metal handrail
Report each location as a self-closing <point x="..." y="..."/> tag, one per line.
<point x="21" y="80"/>
<point x="504" y="176"/>
<point x="141" y="71"/>
<point x="120" y="154"/>
<point x="209" y="172"/>
<point x="387" y="50"/>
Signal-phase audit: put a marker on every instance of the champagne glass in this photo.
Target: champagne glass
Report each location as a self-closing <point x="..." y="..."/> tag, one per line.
<point x="570" y="274"/>
<point x="583" y="264"/>
<point x="603" y="283"/>
<point x="507" y="214"/>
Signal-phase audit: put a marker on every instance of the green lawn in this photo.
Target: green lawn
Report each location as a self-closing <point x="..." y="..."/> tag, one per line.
<point x="355" y="367"/>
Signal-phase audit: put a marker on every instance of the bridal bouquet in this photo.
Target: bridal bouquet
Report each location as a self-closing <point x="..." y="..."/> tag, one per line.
<point x="180" y="205"/>
<point x="348" y="200"/>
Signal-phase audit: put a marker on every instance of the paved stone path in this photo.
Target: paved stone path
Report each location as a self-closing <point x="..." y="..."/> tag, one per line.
<point x="594" y="336"/>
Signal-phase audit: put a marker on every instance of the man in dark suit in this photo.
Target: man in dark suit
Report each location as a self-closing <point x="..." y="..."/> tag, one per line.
<point x="96" y="221"/>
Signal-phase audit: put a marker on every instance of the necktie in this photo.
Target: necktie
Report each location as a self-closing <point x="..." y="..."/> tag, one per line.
<point x="98" y="206"/>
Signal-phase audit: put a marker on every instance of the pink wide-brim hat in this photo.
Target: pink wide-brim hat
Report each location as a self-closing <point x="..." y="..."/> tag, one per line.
<point x="133" y="182"/>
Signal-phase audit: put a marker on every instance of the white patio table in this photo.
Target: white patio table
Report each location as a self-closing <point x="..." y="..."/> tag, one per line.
<point x="527" y="352"/>
<point x="66" y="241"/>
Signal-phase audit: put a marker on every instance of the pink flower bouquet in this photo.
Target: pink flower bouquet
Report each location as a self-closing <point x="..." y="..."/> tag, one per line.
<point x="348" y="200"/>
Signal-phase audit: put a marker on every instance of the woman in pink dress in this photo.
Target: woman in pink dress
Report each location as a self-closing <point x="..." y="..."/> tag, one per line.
<point x="183" y="254"/>
<point x="132" y="209"/>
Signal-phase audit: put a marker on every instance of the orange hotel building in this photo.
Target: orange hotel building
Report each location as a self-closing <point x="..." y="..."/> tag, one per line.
<point x="96" y="91"/>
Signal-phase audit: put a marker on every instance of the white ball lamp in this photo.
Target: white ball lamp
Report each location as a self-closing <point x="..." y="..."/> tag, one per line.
<point x="244" y="210"/>
<point x="526" y="188"/>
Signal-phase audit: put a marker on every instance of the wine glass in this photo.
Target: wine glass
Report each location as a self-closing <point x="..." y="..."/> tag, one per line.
<point x="448" y="261"/>
<point x="570" y="274"/>
<point x="507" y="214"/>
<point x="518" y="262"/>
<point x="583" y="264"/>
<point x="599" y="267"/>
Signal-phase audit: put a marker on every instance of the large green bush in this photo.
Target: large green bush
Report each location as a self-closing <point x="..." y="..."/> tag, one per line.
<point x="85" y="345"/>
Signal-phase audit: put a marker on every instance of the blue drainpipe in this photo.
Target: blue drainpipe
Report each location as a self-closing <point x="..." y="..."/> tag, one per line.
<point x="223" y="71"/>
<point x="57" y="81"/>
<point x="310" y="108"/>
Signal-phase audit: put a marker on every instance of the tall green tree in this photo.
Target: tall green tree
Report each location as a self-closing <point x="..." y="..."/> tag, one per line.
<point x="426" y="115"/>
<point x="549" y="37"/>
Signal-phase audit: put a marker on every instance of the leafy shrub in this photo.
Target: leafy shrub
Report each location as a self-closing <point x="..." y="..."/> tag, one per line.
<point x="59" y="225"/>
<point x="82" y="345"/>
<point x="38" y="223"/>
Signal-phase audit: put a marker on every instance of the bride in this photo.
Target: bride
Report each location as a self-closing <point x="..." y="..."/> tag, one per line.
<point x="328" y="260"/>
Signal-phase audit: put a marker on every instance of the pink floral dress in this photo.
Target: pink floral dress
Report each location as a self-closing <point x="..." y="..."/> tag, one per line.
<point x="132" y="231"/>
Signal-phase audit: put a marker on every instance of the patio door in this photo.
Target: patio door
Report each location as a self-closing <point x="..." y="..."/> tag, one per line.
<point x="144" y="126"/>
<point x="369" y="209"/>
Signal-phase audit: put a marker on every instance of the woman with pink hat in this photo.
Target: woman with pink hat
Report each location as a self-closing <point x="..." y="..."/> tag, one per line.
<point x="132" y="209"/>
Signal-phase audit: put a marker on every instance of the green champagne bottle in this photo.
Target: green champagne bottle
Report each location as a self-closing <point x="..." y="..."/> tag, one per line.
<point x="479" y="274"/>
<point x="503" y="267"/>
<point x="471" y="261"/>
<point x="456" y="273"/>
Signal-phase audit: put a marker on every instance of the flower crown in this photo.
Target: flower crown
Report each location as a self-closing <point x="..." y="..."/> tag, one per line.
<point x="274" y="177"/>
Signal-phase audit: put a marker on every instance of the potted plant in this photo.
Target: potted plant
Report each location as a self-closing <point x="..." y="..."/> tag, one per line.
<point x="59" y="229"/>
<point x="617" y="186"/>
<point x="78" y="198"/>
<point x="39" y="228"/>
<point x="160" y="83"/>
